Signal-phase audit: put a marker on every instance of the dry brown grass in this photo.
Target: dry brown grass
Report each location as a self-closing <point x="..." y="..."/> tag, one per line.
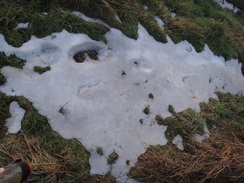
<point x="28" y="149"/>
<point x="54" y="167"/>
<point x="214" y="160"/>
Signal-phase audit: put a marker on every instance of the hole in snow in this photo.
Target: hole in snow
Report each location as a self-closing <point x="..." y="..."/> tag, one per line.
<point x="81" y="56"/>
<point x="90" y="50"/>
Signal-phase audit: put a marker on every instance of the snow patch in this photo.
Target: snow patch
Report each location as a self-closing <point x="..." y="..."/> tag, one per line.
<point x="178" y="142"/>
<point x="44" y="13"/>
<point x="117" y="18"/>
<point x="22" y="26"/>
<point x="225" y="4"/>
<point x="200" y="138"/>
<point x="145" y="7"/>
<point x="159" y="21"/>
<point x="14" y="122"/>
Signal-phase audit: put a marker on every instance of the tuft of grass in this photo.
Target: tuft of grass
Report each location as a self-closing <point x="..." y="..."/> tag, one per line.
<point x="112" y="158"/>
<point x="41" y="70"/>
<point x="147" y="110"/>
<point x="217" y="159"/>
<point x="99" y="150"/>
<point x="11" y="60"/>
<point x="207" y="162"/>
<point x="185" y="123"/>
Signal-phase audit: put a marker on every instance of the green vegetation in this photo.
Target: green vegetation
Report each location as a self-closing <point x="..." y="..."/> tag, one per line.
<point x="198" y="21"/>
<point x="41" y="70"/>
<point x="100" y="150"/>
<point x="147" y="110"/>
<point x="11" y="60"/>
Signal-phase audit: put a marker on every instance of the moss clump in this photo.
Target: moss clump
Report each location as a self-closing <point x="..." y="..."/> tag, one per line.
<point x="41" y="70"/>
<point x="11" y="60"/>
<point x="99" y="150"/>
<point x="147" y="110"/>
<point x="151" y="96"/>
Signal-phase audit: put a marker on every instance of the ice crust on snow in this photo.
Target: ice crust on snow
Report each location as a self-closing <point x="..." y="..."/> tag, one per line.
<point x="14" y="122"/>
<point x="225" y="4"/>
<point x="101" y="107"/>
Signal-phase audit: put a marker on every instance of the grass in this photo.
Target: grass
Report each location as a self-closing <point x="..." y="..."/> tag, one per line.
<point x="11" y="60"/>
<point x="53" y="158"/>
<point x="200" y="22"/>
<point x="218" y="159"/>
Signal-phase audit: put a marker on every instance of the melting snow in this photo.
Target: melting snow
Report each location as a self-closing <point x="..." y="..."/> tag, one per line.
<point x="117" y="18"/>
<point x="145" y="7"/>
<point x="102" y="100"/>
<point x="178" y="142"/>
<point x="14" y="122"/>
<point x="200" y="138"/>
<point x="22" y="26"/>
<point x="159" y="21"/>
<point x="88" y="19"/>
<point x="225" y="4"/>
<point x="44" y="13"/>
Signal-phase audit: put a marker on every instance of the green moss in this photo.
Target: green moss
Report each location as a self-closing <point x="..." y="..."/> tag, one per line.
<point x="147" y="110"/>
<point x="12" y="60"/>
<point x="41" y="70"/>
<point x="99" y="150"/>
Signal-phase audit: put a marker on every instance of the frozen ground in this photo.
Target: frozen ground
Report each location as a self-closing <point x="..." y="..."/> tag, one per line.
<point x="101" y="102"/>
